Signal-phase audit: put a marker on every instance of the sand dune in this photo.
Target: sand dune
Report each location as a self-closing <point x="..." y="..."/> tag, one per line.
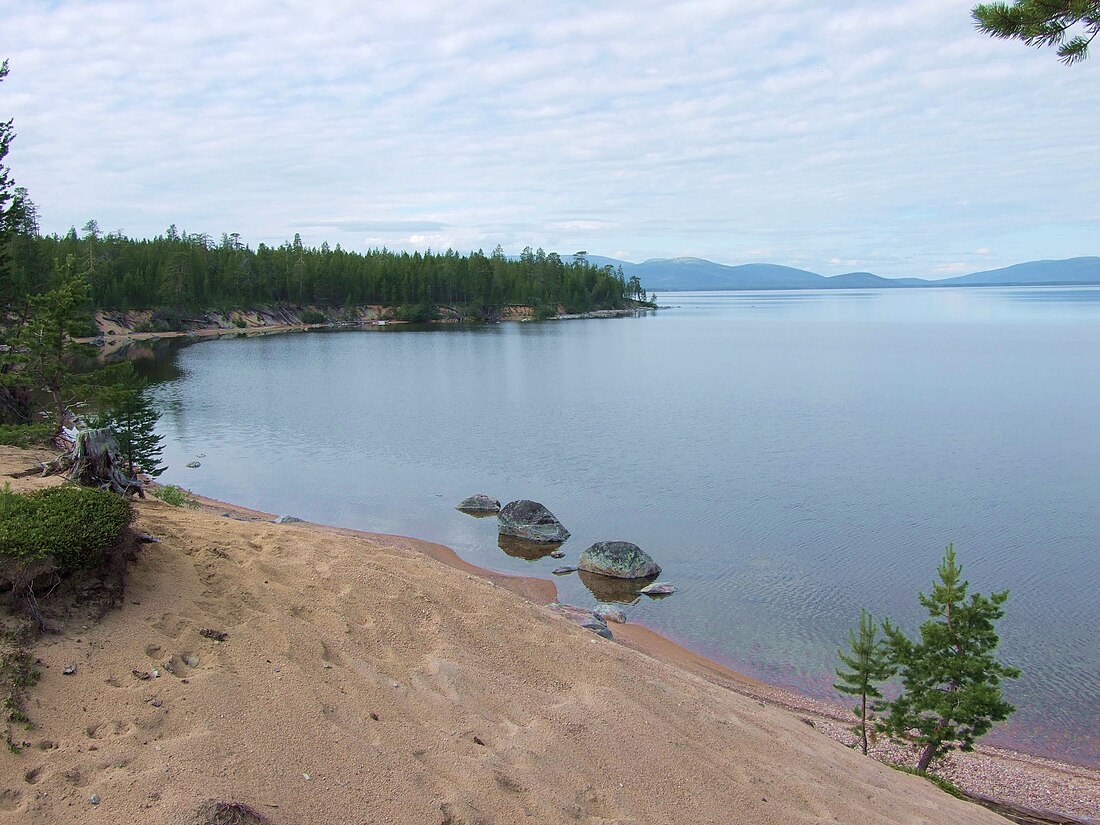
<point x="362" y="681"/>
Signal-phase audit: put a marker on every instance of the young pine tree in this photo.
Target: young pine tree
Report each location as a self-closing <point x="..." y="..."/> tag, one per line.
<point x="869" y="662"/>
<point x="130" y="413"/>
<point x="951" y="678"/>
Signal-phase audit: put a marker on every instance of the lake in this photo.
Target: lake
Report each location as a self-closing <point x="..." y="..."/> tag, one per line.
<point x="787" y="457"/>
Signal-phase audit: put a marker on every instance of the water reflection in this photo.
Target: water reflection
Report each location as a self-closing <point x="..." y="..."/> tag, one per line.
<point x="609" y="589"/>
<point x="519" y="548"/>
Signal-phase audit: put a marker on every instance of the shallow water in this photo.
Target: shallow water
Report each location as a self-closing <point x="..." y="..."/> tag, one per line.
<point x="786" y="457"/>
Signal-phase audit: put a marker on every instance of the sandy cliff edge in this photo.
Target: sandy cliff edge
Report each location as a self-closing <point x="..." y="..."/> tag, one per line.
<point x="363" y="681"/>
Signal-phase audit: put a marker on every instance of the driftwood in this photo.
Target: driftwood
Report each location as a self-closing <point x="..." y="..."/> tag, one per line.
<point x="92" y="461"/>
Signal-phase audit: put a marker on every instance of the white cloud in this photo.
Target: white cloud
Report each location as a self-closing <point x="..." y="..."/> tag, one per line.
<point x="883" y="137"/>
<point x="957" y="268"/>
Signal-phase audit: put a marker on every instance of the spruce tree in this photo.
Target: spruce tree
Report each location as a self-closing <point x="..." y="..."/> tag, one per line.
<point x="951" y="679"/>
<point x="869" y="662"/>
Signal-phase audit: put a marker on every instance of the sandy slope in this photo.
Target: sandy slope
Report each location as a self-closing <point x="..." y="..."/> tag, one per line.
<point x="365" y="682"/>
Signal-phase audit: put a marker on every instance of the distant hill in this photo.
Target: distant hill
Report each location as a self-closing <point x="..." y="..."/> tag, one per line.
<point x="683" y="274"/>
<point x="1070" y="271"/>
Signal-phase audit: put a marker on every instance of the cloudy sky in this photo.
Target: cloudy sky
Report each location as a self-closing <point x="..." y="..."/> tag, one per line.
<point x="833" y="136"/>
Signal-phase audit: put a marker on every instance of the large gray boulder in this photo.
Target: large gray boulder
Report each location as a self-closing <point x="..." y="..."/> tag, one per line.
<point x="480" y="503"/>
<point x="618" y="559"/>
<point x="531" y="521"/>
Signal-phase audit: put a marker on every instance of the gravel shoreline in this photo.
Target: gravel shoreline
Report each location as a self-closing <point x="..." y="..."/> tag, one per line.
<point x="1048" y="790"/>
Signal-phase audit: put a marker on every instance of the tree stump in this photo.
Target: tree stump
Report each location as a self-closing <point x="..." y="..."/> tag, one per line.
<point x="93" y="461"/>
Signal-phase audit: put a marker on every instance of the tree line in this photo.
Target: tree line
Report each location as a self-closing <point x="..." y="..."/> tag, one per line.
<point x="193" y="271"/>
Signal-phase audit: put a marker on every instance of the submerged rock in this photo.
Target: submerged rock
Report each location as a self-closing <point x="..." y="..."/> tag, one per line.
<point x="480" y="503"/>
<point x="563" y="570"/>
<point x="192" y="464"/>
<point x="531" y="521"/>
<point x="619" y="559"/>
<point x="609" y="613"/>
<point x="659" y="589"/>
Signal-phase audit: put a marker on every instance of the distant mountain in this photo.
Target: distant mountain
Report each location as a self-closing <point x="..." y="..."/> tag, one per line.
<point x="683" y="274"/>
<point x="1071" y="271"/>
<point x="664" y="274"/>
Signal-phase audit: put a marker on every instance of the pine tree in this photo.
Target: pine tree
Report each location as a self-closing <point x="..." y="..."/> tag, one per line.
<point x="130" y="413"/>
<point x="9" y="213"/>
<point x="951" y="678"/>
<point x="44" y="347"/>
<point x="869" y="662"/>
<point x="1071" y="25"/>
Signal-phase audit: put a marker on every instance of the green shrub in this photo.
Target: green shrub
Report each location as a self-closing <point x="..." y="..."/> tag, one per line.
<point x="176" y="496"/>
<point x="25" y="435"/>
<point x="71" y="525"/>
<point x="313" y="316"/>
<point x="416" y="313"/>
<point x="240" y="323"/>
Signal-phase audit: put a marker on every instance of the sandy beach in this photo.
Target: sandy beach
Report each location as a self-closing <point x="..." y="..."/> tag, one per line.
<point x="370" y="679"/>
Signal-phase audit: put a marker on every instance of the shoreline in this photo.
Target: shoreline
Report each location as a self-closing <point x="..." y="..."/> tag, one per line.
<point x="1014" y="783"/>
<point x="118" y="329"/>
<point x="314" y="675"/>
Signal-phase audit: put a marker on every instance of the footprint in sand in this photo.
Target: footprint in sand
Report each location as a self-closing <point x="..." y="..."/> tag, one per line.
<point x="9" y="800"/>
<point x="331" y="656"/>
<point x="170" y="625"/>
<point x="108" y="730"/>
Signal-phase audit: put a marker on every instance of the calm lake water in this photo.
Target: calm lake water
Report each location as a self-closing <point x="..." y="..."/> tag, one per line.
<point x="787" y="457"/>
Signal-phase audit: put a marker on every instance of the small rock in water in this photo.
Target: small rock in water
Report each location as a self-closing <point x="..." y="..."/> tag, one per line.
<point x="558" y="554"/>
<point x="561" y="571"/>
<point x="610" y="613"/>
<point x="480" y="503"/>
<point x="69" y="670"/>
<point x="286" y="519"/>
<point x="192" y="464"/>
<point x="658" y="589"/>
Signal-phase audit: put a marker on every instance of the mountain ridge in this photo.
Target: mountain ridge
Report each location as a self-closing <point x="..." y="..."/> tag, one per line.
<point x="683" y="274"/>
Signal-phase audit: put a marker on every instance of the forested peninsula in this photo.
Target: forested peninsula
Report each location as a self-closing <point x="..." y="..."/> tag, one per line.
<point x="193" y="272"/>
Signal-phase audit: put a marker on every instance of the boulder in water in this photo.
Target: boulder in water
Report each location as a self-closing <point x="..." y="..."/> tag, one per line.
<point x="480" y="503"/>
<point x="618" y="559"/>
<point x="531" y="521"/>
<point x="659" y="589"/>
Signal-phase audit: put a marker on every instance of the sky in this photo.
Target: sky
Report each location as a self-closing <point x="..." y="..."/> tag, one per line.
<point x="889" y="137"/>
